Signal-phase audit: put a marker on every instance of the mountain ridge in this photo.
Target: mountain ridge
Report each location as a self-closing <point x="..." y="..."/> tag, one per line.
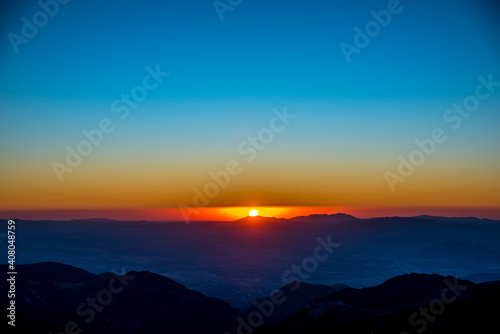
<point x="146" y="302"/>
<point x="339" y="216"/>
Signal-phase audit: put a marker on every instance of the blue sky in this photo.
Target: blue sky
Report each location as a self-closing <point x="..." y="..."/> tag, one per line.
<point x="93" y="50"/>
<point x="227" y="76"/>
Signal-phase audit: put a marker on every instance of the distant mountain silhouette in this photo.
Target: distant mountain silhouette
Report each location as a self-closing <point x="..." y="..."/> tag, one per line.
<point x="94" y="220"/>
<point x="337" y="217"/>
<point x="342" y="217"/>
<point x="48" y="295"/>
<point x="454" y="219"/>
<point x="260" y="219"/>
<point x="316" y="218"/>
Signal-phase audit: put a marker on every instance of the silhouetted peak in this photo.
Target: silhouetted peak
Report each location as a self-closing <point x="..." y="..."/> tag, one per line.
<point x="260" y="219"/>
<point x="335" y="217"/>
<point x="56" y="271"/>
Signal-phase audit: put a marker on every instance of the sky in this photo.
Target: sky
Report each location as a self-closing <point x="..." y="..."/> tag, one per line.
<point x="193" y="108"/>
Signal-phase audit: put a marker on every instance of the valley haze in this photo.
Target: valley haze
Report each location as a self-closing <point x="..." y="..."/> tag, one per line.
<point x="258" y="273"/>
<point x="245" y="259"/>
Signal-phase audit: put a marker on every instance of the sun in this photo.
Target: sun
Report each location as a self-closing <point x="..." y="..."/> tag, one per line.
<point x="253" y="213"/>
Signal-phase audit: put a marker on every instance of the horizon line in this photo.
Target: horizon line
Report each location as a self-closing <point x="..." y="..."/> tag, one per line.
<point x="104" y="219"/>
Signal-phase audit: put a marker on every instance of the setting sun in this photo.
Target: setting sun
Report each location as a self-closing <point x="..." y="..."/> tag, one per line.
<point x="253" y="213"/>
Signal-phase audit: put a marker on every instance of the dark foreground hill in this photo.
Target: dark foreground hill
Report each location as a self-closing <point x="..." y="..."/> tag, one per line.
<point x="57" y="298"/>
<point x="413" y="303"/>
<point x="292" y="297"/>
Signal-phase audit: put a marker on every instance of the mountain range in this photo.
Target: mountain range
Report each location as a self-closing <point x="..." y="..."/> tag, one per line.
<point x="54" y="297"/>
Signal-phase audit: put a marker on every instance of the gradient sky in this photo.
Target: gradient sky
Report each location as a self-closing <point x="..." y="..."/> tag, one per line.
<point x="352" y="121"/>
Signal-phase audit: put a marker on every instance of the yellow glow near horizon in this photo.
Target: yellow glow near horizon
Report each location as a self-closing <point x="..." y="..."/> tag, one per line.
<point x="236" y="212"/>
